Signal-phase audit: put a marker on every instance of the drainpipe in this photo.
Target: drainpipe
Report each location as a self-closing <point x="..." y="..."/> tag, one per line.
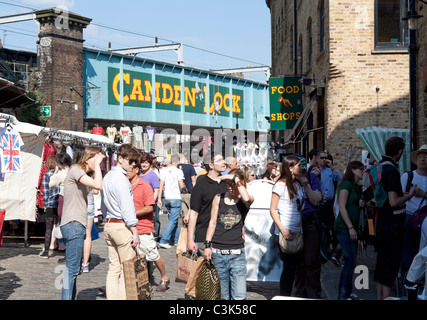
<point x="295" y="38"/>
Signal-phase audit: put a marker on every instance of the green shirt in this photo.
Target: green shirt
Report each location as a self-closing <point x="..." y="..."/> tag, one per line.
<point x="352" y="206"/>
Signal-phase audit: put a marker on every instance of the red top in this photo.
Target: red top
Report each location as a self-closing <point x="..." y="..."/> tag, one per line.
<point x="143" y="196"/>
<point x="98" y="130"/>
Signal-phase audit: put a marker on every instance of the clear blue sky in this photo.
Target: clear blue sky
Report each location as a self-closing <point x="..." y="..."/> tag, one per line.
<point x="232" y="28"/>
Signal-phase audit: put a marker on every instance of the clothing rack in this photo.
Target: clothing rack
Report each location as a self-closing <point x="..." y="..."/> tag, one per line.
<point x="9" y="118"/>
<point x="69" y="137"/>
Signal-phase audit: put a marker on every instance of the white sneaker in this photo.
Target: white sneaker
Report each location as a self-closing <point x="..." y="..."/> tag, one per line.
<point x="165" y="245"/>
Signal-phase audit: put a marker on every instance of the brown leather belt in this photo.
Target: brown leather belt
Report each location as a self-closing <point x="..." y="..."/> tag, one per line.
<point x="113" y="220"/>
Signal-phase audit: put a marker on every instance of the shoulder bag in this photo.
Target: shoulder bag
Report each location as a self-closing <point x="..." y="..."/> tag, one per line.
<point x="295" y="245"/>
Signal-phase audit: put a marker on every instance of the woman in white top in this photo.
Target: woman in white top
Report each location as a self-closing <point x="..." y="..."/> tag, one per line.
<point x="285" y="210"/>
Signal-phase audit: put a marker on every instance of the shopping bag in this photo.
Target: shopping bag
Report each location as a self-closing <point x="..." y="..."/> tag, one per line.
<point x="2" y="217"/>
<point x="57" y="233"/>
<point x="190" y="287"/>
<point x="94" y="232"/>
<point x="185" y="263"/>
<point x="207" y="283"/>
<point x="137" y="283"/>
<point x="182" y="240"/>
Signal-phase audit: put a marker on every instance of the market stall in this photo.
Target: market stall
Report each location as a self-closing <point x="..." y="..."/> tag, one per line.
<point x="374" y="139"/>
<point x="22" y="150"/>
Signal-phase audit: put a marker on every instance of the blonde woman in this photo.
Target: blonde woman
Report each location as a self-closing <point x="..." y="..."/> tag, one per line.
<point x="77" y="185"/>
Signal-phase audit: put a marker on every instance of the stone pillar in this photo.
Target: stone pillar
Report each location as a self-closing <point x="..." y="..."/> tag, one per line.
<point x="60" y="61"/>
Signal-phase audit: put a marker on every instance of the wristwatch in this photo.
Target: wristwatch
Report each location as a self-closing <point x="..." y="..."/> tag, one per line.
<point x="208" y="244"/>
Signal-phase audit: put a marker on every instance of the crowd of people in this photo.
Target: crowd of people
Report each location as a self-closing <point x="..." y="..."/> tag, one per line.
<point x="211" y="198"/>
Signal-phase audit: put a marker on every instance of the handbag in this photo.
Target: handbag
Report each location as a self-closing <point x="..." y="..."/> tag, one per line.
<point x="185" y="263"/>
<point x="137" y="283"/>
<point x="417" y="218"/>
<point x="291" y="246"/>
<point x="182" y="240"/>
<point x="207" y="283"/>
<point x="296" y="244"/>
<point x="190" y="287"/>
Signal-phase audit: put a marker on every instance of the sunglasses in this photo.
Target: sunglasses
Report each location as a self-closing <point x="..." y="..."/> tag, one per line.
<point x="323" y="158"/>
<point x="299" y="207"/>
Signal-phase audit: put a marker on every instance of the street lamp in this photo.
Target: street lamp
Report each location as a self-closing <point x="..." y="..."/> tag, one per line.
<point x="412" y="17"/>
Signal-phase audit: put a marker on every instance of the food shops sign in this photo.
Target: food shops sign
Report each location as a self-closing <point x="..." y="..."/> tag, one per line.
<point x="285" y="102"/>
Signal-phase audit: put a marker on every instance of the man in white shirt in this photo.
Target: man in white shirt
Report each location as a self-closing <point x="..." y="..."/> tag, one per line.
<point x="172" y="179"/>
<point x="118" y="210"/>
<point x="414" y="242"/>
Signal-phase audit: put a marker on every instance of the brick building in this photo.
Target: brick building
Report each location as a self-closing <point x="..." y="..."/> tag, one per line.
<point x="60" y="62"/>
<point x="422" y="76"/>
<point x="354" y="57"/>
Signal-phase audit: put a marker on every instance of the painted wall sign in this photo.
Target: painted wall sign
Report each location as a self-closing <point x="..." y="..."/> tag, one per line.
<point x="168" y="93"/>
<point x="285" y="102"/>
<point x="137" y="89"/>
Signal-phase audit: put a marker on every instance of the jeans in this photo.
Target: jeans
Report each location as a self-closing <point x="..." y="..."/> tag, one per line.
<point x="231" y="271"/>
<point x="287" y="277"/>
<point x="73" y="234"/>
<point x="308" y="269"/>
<point x="171" y="232"/>
<point x="350" y="259"/>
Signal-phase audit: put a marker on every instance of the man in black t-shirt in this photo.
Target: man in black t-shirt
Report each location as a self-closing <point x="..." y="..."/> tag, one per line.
<point x="390" y="220"/>
<point x="207" y="186"/>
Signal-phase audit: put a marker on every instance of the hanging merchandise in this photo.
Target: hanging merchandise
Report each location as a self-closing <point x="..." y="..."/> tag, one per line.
<point x="150" y="131"/>
<point x="49" y="148"/>
<point x="98" y="130"/>
<point x="125" y="133"/>
<point x="11" y="143"/>
<point x="137" y="134"/>
<point x="112" y="132"/>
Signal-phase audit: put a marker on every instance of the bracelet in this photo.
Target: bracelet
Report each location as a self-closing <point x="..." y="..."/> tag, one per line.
<point x="350" y="228"/>
<point x="208" y="244"/>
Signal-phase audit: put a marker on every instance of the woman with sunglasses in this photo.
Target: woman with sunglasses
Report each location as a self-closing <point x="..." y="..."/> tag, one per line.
<point x="285" y="209"/>
<point x="225" y="242"/>
<point x="347" y="222"/>
<point x="83" y="177"/>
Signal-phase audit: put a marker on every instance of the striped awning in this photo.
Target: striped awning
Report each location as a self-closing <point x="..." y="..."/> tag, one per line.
<point x="374" y="139"/>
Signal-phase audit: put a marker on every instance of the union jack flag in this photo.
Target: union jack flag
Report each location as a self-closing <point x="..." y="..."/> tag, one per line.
<point x="11" y="144"/>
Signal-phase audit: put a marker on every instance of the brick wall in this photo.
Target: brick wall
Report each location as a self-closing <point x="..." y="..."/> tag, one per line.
<point x="60" y="57"/>
<point x="422" y="78"/>
<point x="351" y="70"/>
